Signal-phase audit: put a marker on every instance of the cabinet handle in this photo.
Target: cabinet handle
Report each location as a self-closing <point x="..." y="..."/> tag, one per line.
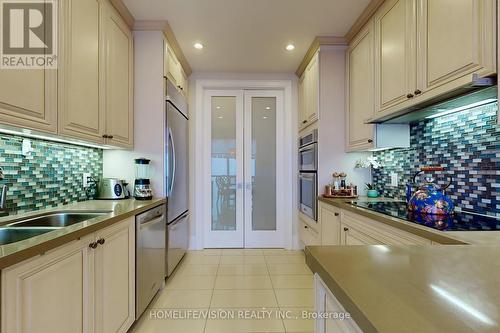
<point x="110" y="137"/>
<point x="418" y="92"/>
<point x="101" y="241"/>
<point x="93" y="245"/>
<point x="304" y="121"/>
<point x="409" y="96"/>
<point x="370" y="140"/>
<point x="336" y="214"/>
<point x="346" y="229"/>
<point x="105" y="136"/>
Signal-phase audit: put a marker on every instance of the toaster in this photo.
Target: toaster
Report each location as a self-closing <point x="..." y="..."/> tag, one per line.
<point x="110" y="189"/>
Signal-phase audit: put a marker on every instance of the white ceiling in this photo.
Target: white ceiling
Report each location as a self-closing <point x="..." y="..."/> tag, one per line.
<point x="249" y="35"/>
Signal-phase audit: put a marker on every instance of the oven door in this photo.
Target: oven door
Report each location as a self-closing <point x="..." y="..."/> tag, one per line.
<point x="308" y="157"/>
<point x="308" y="194"/>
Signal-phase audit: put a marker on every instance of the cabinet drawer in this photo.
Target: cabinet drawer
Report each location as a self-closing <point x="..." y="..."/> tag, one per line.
<point x="308" y="235"/>
<point x="383" y="233"/>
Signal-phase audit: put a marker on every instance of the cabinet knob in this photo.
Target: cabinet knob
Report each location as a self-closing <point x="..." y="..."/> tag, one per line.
<point x="418" y="92"/>
<point x="306" y="227"/>
<point x="101" y="241"/>
<point x="93" y="245"/>
<point x="346" y="229"/>
<point x="336" y="214"/>
<point x="304" y="121"/>
<point x="409" y="96"/>
<point x="370" y="140"/>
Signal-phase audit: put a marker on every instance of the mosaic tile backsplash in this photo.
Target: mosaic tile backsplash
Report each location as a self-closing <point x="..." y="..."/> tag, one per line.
<point x="50" y="176"/>
<point x="466" y="144"/>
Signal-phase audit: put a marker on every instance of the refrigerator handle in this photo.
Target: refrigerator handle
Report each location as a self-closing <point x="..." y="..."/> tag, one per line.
<point x="172" y="170"/>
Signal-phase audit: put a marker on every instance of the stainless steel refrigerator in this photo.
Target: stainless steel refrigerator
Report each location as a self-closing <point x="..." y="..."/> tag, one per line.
<point x="176" y="173"/>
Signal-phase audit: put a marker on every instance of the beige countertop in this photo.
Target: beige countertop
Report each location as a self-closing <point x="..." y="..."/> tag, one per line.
<point x="441" y="237"/>
<point x="413" y="288"/>
<point x="117" y="210"/>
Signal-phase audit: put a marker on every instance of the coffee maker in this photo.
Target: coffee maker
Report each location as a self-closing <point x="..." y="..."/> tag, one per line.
<point x="142" y="184"/>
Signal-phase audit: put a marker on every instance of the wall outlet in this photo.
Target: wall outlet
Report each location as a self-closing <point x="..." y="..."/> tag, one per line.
<point x="394" y="179"/>
<point x="86" y="179"/>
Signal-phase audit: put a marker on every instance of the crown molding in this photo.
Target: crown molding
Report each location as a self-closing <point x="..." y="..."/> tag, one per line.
<point x="124" y="12"/>
<point x="365" y="16"/>
<point x="315" y="45"/>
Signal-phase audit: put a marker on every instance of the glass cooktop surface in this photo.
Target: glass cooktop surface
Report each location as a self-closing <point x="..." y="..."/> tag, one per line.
<point x="460" y="221"/>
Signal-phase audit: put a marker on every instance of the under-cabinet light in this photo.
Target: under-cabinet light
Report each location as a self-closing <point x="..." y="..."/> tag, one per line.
<point x="461" y="108"/>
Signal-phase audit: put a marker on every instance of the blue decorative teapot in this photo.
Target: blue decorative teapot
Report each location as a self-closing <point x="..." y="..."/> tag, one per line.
<point x="430" y="198"/>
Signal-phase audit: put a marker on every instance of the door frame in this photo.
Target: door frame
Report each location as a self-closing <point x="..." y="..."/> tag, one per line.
<point x="198" y="150"/>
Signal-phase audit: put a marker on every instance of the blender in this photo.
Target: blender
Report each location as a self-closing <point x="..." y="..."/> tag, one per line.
<point x="142" y="184"/>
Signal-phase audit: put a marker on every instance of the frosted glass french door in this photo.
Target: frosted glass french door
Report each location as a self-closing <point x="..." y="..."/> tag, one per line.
<point x="243" y="128"/>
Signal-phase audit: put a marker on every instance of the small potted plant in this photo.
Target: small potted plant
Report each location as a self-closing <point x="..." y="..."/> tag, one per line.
<point x="371" y="191"/>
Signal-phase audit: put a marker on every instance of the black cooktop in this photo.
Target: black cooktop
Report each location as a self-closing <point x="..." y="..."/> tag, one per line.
<point x="462" y="221"/>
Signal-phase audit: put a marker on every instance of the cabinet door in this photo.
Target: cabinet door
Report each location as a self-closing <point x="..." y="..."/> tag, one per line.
<point x="361" y="86"/>
<point x="312" y="90"/>
<point x="184" y="82"/>
<point x="115" y="278"/>
<point x="395" y="63"/>
<point x="173" y="72"/>
<point x="50" y="293"/>
<point x="80" y="113"/>
<point x="119" y="80"/>
<point x="353" y="236"/>
<point x="457" y="39"/>
<point x="28" y="99"/>
<point x="302" y="101"/>
<point x="329" y="218"/>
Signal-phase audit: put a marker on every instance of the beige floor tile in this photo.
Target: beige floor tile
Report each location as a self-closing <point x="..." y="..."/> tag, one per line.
<point x="249" y="269"/>
<point x="292" y="281"/>
<point x="202" y="260"/>
<point x="280" y="252"/>
<point x="197" y="269"/>
<point x="241" y="252"/>
<point x="243" y="282"/>
<point x="286" y="259"/>
<point x="295" y="297"/>
<point x="243" y="326"/>
<point x="183" y="299"/>
<point x="243" y="299"/>
<point x="287" y="269"/>
<point x="241" y="260"/>
<point x="296" y="321"/>
<point x="148" y="325"/>
<point x="193" y="282"/>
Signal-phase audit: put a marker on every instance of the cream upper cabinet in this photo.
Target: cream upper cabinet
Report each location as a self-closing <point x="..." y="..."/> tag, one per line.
<point x="329" y="217"/>
<point x="50" y="293"/>
<point x="86" y="286"/>
<point x="395" y="63"/>
<point x="28" y="98"/>
<point x="312" y="90"/>
<point x="118" y="80"/>
<point x="458" y="38"/>
<point x="80" y="113"/>
<point x="302" y="101"/>
<point x="115" y="278"/>
<point x="174" y="71"/>
<point x="360" y="90"/>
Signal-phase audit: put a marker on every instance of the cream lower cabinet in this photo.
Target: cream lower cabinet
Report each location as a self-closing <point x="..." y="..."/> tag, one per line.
<point x="329" y="217"/>
<point x="334" y="319"/>
<point x="74" y="288"/>
<point x="309" y="236"/>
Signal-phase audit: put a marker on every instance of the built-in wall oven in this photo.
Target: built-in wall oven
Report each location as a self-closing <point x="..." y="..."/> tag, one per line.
<point x="308" y="168"/>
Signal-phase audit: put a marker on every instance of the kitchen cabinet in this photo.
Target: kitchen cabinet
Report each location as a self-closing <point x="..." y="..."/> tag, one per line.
<point x="28" y="98"/>
<point x="308" y="235"/>
<point x="326" y="302"/>
<point x="81" y="114"/>
<point x="309" y="93"/>
<point x="174" y="71"/>
<point x="118" y="80"/>
<point x="360" y="87"/>
<point x="329" y="219"/>
<point x="424" y="49"/>
<point x="85" y="286"/>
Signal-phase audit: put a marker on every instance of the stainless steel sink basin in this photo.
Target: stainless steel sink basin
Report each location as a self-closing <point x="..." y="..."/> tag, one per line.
<point x="12" y="235"/>
<point x="57" y="220"/>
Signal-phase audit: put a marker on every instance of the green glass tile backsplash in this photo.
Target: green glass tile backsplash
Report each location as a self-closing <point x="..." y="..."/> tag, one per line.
<point x="49" y="176"/>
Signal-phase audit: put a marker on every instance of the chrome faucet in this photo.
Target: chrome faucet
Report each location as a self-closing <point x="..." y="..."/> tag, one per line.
<point x="3" y="195"/>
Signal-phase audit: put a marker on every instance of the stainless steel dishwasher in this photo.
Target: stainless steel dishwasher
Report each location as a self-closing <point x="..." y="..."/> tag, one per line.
<point x="150" y="228"/>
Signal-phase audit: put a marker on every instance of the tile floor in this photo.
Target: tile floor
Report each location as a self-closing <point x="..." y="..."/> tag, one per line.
<point x="228" y="282"/>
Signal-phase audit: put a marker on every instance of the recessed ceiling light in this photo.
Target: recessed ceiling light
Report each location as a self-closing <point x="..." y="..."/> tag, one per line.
<point x="220" y="117"/>
<point x="198" y="46"/>
<point x="268" y="108"/>
<point x="290" y="47"/>
<point x="218" y="107"/>
<point x="264" y="117"/>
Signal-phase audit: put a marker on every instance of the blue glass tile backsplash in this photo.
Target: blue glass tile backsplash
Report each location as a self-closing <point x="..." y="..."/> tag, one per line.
<point x="466" y="144"/>
<point x="50" y="176"/>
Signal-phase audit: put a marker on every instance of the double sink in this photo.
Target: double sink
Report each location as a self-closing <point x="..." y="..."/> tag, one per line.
<point x="43" y="223"/>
